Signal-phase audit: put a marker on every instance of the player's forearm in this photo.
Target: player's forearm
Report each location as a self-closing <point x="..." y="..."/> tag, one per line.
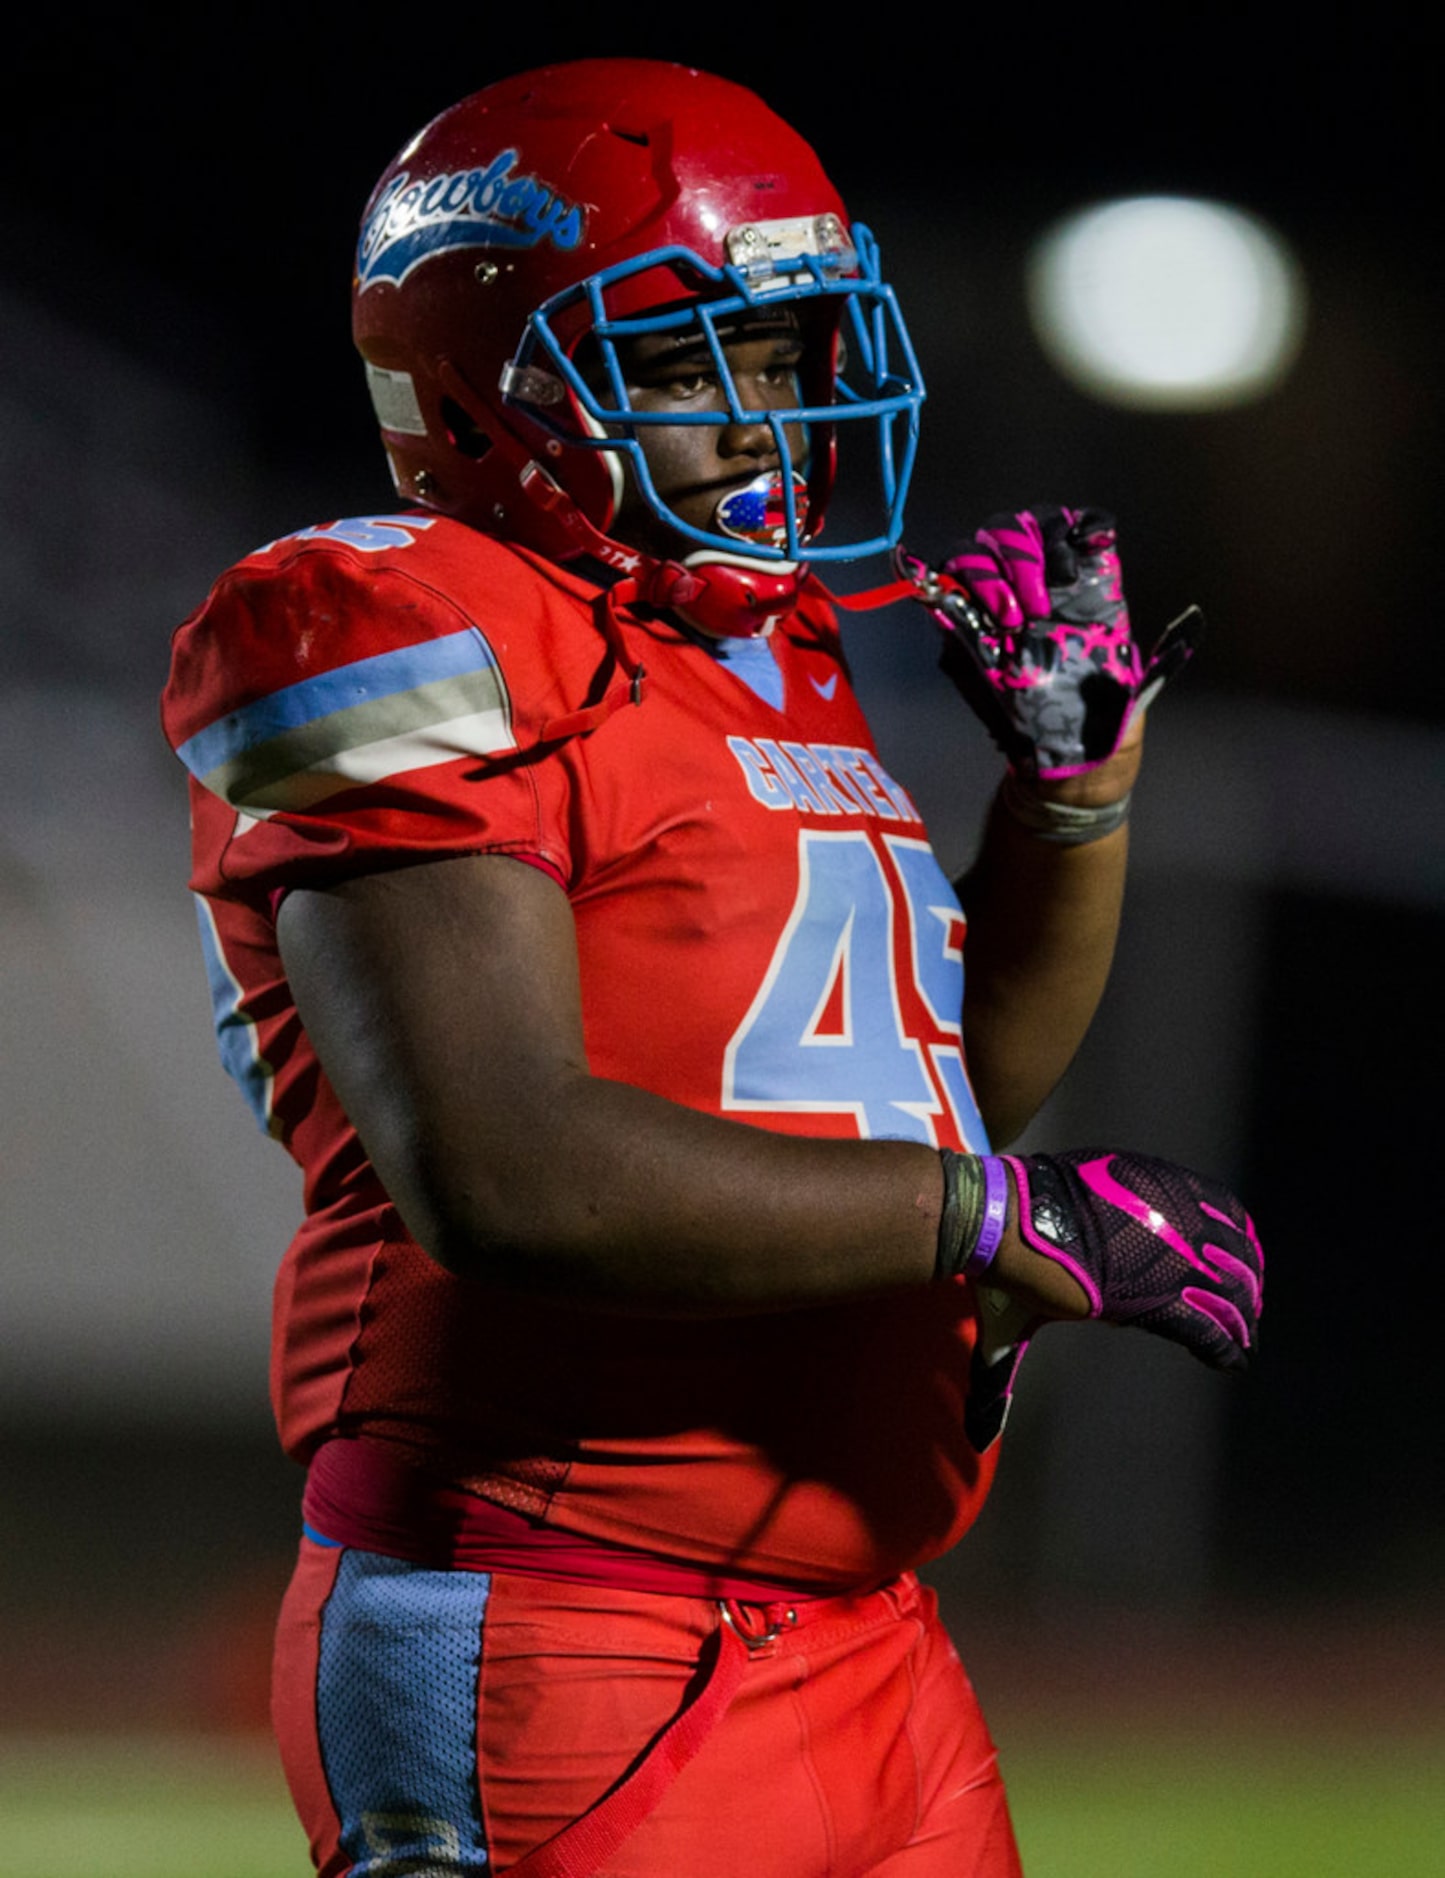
<point x="1043" y="921"/>
<point x="606" y="1195"/>
<point x="652" y="1208"/>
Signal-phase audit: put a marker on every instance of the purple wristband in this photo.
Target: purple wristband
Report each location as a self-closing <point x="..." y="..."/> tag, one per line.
<point x="995" y="1215"/>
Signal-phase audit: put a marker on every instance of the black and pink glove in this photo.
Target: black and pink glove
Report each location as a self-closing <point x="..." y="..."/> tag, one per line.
<point x="1152" y="1244"/>
<point x="1038" y="637"/>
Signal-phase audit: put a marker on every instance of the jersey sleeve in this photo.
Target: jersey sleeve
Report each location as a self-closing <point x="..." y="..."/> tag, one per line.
<point x="341" y="711"/>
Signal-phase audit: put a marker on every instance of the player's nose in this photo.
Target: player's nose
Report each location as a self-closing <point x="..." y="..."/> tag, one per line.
<point x="753" y="437"/>
<point x="748" y="438"/>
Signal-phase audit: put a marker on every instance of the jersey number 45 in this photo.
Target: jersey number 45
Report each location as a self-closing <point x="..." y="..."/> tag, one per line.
<point x="860" y="1012"/>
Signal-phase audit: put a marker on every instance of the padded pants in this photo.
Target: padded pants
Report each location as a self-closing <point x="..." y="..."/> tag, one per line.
<point x="449" y="1722"/>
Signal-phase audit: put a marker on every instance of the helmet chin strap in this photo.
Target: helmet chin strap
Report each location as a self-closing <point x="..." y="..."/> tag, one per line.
<point x="733" y="598"/>
<point x="716" y="594"/>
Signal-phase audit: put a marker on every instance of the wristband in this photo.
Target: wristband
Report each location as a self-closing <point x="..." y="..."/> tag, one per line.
<point x="975" y="1213"/>
<point x="1061" y="822"/>
<point x="995" y="1215"/>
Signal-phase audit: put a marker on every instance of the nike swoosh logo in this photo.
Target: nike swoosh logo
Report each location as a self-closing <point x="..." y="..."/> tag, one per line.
<point x="825" y="687"/>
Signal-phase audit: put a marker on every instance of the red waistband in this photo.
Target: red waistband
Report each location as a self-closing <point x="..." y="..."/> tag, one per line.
<point x="359" y="1493"/>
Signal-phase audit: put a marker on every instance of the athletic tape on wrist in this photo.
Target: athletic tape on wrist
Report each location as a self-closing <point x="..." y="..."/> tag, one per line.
<point x="975" y="1213"/>
<point x="1061" y="822"/>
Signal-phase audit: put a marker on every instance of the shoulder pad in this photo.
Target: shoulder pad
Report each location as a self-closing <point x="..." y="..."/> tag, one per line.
<point x="328" y="661"/>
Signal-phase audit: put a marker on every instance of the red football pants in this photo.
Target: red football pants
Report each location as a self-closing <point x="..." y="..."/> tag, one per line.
<point x="851" y="1747"/>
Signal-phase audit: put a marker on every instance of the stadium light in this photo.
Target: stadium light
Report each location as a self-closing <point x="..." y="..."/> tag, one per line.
<point x="1167" y="303"/>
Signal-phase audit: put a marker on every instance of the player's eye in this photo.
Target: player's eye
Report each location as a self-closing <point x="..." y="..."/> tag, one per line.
<point x="691" y="384"/>
<point x="672" y="382"/>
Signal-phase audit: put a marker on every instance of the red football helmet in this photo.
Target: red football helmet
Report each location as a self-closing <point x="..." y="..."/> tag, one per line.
<point x="592" y="202"/>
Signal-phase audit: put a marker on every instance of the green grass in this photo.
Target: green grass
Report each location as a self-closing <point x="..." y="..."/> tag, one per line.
<point x="1246" y="1807"/>
<point x="1258" y="1806"/>
<point x="146" y="1808"/>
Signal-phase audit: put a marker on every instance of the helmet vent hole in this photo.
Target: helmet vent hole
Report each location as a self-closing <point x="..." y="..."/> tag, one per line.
<point x="465" y="435"/>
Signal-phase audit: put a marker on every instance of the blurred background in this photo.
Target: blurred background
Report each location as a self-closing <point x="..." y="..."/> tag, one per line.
<point x="177" y="386"/>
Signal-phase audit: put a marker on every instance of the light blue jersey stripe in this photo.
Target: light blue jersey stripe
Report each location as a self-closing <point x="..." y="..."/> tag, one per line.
<point x="235" y="1032"/>
<point x="364" y="682"/>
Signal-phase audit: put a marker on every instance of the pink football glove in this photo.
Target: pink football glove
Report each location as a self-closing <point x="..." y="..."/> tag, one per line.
<point x="1152" y="1244"/>
<point x="1038" y="637"/>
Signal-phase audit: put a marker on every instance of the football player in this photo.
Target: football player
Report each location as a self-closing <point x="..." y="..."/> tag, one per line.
<point x="659" y="1291"/>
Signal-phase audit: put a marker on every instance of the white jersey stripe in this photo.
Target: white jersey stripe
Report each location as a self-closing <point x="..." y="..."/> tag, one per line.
<point x="483" y="733"/>
<point x="463" y="715"/>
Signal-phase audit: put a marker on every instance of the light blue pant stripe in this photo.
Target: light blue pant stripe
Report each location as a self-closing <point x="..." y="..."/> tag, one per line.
<point x="397" y="1713"/>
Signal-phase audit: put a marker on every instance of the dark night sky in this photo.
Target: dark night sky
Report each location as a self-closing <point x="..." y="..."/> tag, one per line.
<point x="228" y="162"/>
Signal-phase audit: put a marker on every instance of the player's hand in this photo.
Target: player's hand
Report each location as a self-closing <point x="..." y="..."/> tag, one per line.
<point x="1038" y="637"/>
<point x="1152" y="1244"/>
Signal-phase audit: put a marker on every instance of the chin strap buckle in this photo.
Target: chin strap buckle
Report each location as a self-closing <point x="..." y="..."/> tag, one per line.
<point x="915" y="580"/>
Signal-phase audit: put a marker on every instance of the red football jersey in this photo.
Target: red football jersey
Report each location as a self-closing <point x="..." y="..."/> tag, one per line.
<point x="764" y="934"/>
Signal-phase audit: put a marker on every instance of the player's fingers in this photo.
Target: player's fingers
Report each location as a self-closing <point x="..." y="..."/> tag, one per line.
<point x="1091" y="531"/>
<point x="1061" y="549"/>
<point x="1085" y="580"/>
<point x="1018" y="542"/>
<point x="1236" y="1274"/>
<point x="1198" y="1330"/>
<point x="1221" y="1312"/>
<point x="980" y="571"/>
